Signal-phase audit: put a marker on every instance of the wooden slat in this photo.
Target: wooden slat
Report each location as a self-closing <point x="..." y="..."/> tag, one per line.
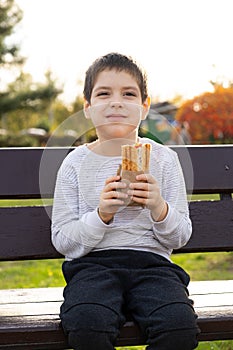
<point x="212" y="167"/>
<point x="32" y="316"/>
<point x="25" y="234"/>
<point x="211" y="287"/>
<point x="50" y="336"/>
<point x="26" y="172"/>
<point x="51" y="309"/>
<point x="46" y="301"/>
<point x="212" y="226"/>
<point x="29" y="295"/>
<point x="38" y="333"/>
<point x="25" y="231"/>
<point x="30" y="309"/>
<point x="214" y="300"/>
<point x="32" y="333"/>
<point x="31" y="172"/>
<point x="210" y="304"/>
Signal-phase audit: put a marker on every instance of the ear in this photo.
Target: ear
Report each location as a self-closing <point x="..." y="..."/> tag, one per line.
<point x="86" y="108"/>
<point x="146" y="107"/>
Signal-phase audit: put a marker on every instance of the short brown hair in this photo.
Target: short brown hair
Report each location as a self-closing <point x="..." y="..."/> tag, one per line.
<point x="118" y="62"/>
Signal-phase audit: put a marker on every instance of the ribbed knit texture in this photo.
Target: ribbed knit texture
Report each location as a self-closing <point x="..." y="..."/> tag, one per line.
<point x="76" y="226"/>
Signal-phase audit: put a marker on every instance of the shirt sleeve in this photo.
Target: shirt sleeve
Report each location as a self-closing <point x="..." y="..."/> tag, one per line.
<point x="175" y="230"/>
<point x="72" y="235"/>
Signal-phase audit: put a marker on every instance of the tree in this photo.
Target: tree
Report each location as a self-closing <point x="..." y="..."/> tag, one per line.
<point x="10" y="15"/>
<point x="26" y="102"/>
<point x="23" y="93"/>
<point x="209" y="115"/>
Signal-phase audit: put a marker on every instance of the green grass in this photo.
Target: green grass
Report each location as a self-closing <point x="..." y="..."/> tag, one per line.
<point x="24" y="202"/>
<point x="217" y="345"/>
<point x="47" y="273"/>
<point x="206" y="266"/>
<point x="30" y="274"/>
<point x="204" y="197"/>
<point x="39" y="202"/>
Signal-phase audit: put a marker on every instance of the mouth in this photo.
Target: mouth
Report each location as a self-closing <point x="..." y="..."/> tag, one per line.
<point x="115" y="117"/>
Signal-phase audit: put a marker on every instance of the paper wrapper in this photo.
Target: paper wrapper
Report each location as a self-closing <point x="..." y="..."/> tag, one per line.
<point x="128" y="177"/>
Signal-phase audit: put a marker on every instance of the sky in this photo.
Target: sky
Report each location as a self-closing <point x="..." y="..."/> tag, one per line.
<point x="182" y="44"/>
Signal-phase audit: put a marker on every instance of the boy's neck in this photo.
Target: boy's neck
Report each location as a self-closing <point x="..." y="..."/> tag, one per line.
<point x="111" y="148"/>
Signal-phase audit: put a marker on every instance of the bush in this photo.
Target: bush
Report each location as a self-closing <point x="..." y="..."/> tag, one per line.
<point x="18" y="141"/>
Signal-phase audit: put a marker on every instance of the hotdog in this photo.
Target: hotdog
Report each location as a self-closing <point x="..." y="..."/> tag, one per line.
<point x="136" y="157"/>
<point x="135" y="161"/>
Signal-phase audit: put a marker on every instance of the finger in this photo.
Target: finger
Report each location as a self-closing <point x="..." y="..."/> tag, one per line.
<point x="146" y="178"/>
<point x="114" y="186"/>
<point x="138" y="193"/>
<point x="140" y="200"/>
<point x="112" y="179"/>
<point x="114" y="194"/>
<point x="143" y="186"/>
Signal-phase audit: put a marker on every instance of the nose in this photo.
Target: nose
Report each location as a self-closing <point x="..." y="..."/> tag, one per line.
<point x="116" y="104"/>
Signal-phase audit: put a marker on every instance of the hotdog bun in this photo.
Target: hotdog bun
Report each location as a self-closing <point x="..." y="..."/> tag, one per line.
<point x="136" y="157"/>
<point x="135" y="161"/>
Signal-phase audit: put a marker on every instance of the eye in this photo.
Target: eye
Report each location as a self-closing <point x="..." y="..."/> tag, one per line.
<point x="102" y="93"/>
<point x="130" y="94"/>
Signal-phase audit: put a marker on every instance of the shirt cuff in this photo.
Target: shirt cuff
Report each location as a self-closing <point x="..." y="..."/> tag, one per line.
<point x="168" y="223"/>
<point x="93" y="219"/>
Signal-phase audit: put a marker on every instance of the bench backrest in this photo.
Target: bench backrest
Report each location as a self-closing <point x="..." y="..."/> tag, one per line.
<point x="31" y="173"/>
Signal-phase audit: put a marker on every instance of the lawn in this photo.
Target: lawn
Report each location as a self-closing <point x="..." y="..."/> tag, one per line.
<point x="47" y="273"/>
<point x="218" y="345"/>
<point x="32" y="202"/>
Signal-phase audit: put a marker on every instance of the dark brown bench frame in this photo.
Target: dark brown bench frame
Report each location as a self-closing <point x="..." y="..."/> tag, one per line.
<point x="29" y="317"/>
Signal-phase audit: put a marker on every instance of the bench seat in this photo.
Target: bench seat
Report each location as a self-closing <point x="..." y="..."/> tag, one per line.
<point x="31" y="315"/>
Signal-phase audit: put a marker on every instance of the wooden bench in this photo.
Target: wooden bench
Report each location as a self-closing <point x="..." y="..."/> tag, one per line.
<point x="29" y="317"/>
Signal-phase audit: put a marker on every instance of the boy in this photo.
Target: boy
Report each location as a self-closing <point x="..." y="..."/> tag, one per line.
<point x="118" y="256"/>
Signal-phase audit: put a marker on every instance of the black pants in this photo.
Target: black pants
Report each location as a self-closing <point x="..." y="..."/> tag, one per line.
<point x="103" y="286"/>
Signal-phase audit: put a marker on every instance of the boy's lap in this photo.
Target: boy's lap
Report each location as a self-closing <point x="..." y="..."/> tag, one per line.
<point x="94" y="286"/>
<point x="141" y="290"/>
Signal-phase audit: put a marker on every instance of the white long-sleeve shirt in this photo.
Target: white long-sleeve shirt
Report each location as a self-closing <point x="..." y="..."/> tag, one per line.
<point x="76" y="226"/>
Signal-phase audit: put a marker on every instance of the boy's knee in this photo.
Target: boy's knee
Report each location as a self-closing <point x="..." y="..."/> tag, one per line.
<point x="177" y="328"/>
<point x="177" y="316"/>
<point x="178" y="340"/>
<point x="90" y="316"/>
<point x="91" y="326"/>
<point x="84" y="339"/>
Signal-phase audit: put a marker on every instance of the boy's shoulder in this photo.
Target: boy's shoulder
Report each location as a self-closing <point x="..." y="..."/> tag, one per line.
<point x="75" y="155"/>
<point x="158" y="147"/>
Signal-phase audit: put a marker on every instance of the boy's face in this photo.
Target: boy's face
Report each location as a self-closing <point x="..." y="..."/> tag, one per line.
<point x="116" y="106"/>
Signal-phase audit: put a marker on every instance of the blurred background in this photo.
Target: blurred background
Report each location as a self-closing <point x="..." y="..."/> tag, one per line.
<point x="47" y="45"/>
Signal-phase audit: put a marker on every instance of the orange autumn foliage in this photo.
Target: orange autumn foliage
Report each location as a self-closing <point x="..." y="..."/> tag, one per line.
<point x="210" y="116"/>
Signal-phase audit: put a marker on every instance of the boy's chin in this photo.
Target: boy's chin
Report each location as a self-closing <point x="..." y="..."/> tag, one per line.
<point x="119" y="131"/>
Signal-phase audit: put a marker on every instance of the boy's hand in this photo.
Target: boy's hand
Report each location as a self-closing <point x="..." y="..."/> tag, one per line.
<point x="146" y="192"/>
<point x="111" y="199"/>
